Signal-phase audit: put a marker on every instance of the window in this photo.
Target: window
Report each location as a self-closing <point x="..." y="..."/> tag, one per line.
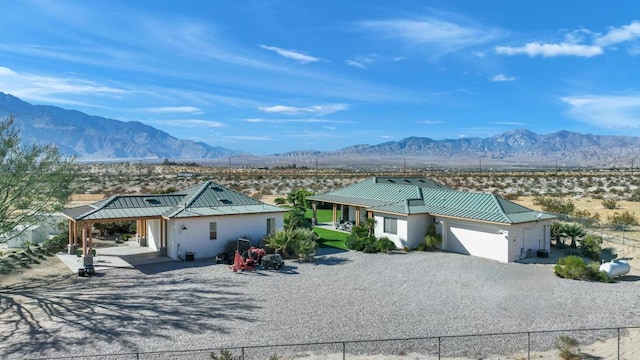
<point x="213" y="230"/>
<point x="271" y="225"/>
<point x="391" y="226"/>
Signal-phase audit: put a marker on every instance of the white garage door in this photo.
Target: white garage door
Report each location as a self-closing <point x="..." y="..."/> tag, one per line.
<point x="486" y="243"/>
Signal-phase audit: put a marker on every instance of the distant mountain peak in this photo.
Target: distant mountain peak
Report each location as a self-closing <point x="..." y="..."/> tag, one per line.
<point x="95" y="137"/>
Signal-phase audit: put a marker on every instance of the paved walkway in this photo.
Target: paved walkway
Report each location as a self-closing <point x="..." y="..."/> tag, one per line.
<point x="128" y="256"/>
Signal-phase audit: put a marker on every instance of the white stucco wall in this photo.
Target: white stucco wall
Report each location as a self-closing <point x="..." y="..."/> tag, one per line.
<point x="35" y="233"/>
<point x="229" y="228"/>
<point x="153" y="234"/>
<point x="411" y="229"/>
<point x="533" y="235"/>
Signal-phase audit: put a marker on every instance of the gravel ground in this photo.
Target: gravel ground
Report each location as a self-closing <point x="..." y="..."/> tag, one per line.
<point x="342" y="296"/>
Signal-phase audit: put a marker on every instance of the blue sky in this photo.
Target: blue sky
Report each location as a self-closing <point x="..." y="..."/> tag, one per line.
<point x="274" y="76"/>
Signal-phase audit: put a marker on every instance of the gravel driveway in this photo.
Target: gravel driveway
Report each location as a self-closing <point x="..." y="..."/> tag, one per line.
<point x="341" y="296"/>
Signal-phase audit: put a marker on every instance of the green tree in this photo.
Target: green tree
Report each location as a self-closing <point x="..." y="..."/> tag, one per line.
<point x="35" y="180"/>
<point x="573" y="231"/>
<point x="591" y="247"/>
<point x="298" y="198"/>
<point x="297" y="219"/>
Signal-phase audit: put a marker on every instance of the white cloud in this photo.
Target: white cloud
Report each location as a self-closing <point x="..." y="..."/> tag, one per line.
<point x="619" y="35"/>
<point x="290" y="54"/>
<point x="607" y="111"/>
<point x="502" y="77"/>
<point x="479" y="54"/>
<point x="250" y="138"/>
<point x="191" y="123"/>
<point x="318" y="110"/>
<point x="443" y="36"/>
<point x="172" y="110"/>
<point x="355" y="64"/>
<point x="52" y="89"/>
<point x="330" y="127"/>
<point x="304" y="120"/>
<point x="431" y="122"/>
<point x="509" y="123"/>
<point x="551" y="50"/>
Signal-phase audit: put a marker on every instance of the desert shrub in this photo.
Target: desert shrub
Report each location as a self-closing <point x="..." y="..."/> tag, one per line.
<point x="555" y="204"/>
<point x="621" y="220"/>
<point x="280" y="201"/>
<point x="224" y="355"/>
<point x="568" y="348"/>
<point x="591" y="246"/>
<point x="609" y="204"/>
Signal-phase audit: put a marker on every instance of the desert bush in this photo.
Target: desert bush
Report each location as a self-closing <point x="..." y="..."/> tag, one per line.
<point x="555" y="204"/>
<point x="622" y="220"/>
<point x="224" y="355"/>
<point x="568" y="348"/>
<point x="609" y="203"/>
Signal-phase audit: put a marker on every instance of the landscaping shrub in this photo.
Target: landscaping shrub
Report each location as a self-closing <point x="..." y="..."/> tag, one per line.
<point x="571" y="267"/>
<point x="591" y="246"/>
<point x="574" y="267"/>
<point x="384" y="244"/>
<point x="299" y="242"/>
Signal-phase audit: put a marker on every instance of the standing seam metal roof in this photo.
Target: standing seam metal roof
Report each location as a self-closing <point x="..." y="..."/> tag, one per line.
<point x="405" y="197"/>
<point x="206" y="199"/>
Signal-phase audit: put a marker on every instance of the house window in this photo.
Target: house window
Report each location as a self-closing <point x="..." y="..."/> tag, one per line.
<point x="271" y="225"/>
<point x="391" y="226"/>
<point x="213" y="230"/>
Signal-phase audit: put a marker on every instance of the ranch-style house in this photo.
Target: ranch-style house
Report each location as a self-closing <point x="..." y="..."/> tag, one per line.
<point x="478" y="224"/>
<point x="199" y="220"/>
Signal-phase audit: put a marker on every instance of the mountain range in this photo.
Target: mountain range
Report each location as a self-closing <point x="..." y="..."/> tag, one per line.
<point x="93" y="137"/>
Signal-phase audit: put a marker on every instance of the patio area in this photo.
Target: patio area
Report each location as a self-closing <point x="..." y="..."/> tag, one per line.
<point x="127" y="256"/>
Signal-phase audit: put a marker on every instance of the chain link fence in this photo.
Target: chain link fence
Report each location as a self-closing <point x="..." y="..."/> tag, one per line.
<point x="604" y="343"/>
<point x="610" y="232"/>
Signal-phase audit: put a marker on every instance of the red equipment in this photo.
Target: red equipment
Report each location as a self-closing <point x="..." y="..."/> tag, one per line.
<point x="247" y="260"/>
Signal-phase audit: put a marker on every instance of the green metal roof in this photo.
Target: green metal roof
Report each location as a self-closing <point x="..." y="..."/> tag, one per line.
<point x="206" y="199"/>
<point x="409" y="196"/>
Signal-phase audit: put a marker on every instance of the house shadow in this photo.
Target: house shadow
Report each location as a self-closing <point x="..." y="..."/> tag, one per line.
<point x="43" y="317"/>
<point x="165" y="266"/>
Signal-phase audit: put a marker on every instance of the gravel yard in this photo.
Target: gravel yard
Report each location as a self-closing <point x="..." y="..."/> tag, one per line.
<point x="342" y="296"/>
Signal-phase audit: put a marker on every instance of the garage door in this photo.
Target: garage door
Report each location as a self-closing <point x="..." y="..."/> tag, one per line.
<point x="480" y="242"/>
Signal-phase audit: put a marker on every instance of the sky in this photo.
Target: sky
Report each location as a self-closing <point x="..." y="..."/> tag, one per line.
<point x="272" y="76"/>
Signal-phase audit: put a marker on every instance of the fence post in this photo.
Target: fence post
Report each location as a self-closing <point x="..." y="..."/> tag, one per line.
<point x="242" y="350"/>
<point x="439" y="347"/>
<point x="344" y="350"/>
<point x="528" y="345"/>
<point x="618" y="343"/>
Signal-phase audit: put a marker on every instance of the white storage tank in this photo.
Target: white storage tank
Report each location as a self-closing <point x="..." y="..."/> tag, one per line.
<point x="615" y="268"/>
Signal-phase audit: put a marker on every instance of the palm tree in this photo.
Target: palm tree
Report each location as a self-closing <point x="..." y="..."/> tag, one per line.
<point x="556" y="232"/>
<point x="573" y="231"/>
